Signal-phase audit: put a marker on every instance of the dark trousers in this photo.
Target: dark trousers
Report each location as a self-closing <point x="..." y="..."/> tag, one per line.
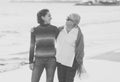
<point x="65" y="73"/>
<point x="49" y="63"/>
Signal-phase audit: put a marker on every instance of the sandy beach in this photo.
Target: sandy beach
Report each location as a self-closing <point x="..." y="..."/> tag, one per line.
<point x="97" y="70"/>
<point x="99" y="24"/>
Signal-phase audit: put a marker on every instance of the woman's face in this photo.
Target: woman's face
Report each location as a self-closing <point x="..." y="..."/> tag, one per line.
<point x="69" y="22"/>
<point x="47" y="18"/>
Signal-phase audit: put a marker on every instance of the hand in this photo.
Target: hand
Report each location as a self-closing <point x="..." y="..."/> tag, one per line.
<point x="31" y="66"/>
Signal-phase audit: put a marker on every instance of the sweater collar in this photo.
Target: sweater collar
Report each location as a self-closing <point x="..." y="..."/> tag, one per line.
<point x="45" y="25"/>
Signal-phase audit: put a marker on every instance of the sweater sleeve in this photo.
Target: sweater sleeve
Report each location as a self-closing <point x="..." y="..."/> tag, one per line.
<point x="32" y="46"/>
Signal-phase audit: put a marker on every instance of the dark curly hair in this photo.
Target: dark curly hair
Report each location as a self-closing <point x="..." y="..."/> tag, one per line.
<point x="41" y="13"/>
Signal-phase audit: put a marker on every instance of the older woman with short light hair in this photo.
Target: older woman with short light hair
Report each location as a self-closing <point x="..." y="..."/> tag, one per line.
<point x="70" y="49"/>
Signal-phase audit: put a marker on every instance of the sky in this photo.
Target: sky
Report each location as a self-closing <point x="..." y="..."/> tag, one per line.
<point x="4" y="1"/>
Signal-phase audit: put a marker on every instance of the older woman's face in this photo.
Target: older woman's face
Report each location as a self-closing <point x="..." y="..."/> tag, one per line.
<point x="47" y="18"/>
<point x="69" y="22"/>
<point x="72" y="20"/>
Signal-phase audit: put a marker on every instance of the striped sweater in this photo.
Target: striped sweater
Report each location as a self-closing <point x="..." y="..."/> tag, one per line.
<point x="43" y="41"/>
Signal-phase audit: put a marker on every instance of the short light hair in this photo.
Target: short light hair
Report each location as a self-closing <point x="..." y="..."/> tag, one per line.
<point x="75" y="17"/>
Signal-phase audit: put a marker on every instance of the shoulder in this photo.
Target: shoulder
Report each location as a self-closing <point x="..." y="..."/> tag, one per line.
<point x="54" y="27"/>
<point x="79" y="30"/>
<point x="79" y="35"/>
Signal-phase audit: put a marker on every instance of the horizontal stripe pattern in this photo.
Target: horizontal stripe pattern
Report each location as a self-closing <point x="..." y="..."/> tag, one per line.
<point x="43" y="53"/>
<point x="45" y="40"/>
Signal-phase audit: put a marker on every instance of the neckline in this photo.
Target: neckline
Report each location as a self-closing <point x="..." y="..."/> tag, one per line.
<point x="67" y="31"/>
<point x="45" y="25"/>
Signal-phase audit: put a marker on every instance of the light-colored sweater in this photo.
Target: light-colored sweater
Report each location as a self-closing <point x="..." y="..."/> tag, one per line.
<point x="66" y="46"/>
<point x="79" y="49"/>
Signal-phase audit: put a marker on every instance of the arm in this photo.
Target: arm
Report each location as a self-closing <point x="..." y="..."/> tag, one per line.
<point x="32" y="46"/>
<point x="58" y="30"/>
